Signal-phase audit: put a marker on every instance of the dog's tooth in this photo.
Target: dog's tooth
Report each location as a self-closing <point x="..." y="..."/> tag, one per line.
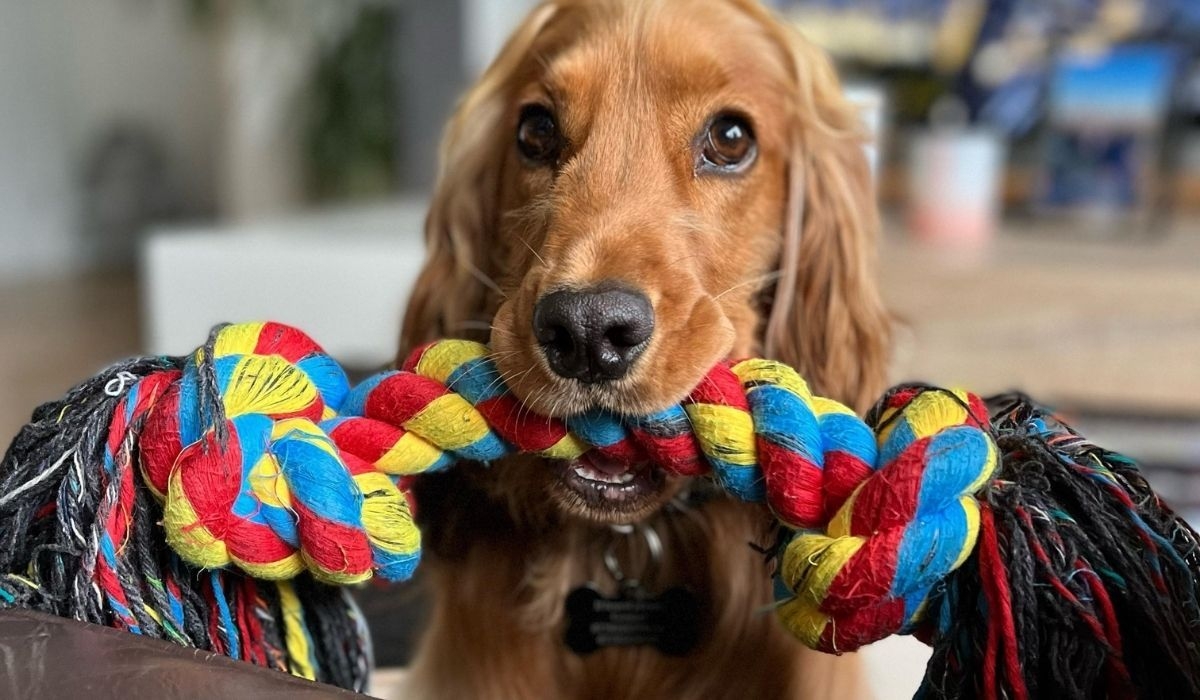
<point x="588" y="473"/>
<point x="585" y="471"/>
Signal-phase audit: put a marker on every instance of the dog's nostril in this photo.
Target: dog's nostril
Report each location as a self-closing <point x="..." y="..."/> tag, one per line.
<point x="557" y="337"/>
<point x="593" y="335"/>
<point x="629" y="335"/>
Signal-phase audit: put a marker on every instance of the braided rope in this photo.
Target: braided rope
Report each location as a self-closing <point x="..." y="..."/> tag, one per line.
<point x="291" y="470"/>
<point x="275" y="478"/>
<point x="904" y="529"/>
<point x="256" y="481"/>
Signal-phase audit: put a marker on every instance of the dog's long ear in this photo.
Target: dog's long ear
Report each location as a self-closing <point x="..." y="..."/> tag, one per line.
<point x="455" y="290"/>
<point x="826" y="317"/>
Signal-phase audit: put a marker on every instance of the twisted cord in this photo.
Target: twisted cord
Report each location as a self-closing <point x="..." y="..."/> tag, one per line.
<point x="274" y="478"/>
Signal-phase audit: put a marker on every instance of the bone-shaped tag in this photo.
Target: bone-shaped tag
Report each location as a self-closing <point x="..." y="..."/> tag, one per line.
<point x="668" y="621"/>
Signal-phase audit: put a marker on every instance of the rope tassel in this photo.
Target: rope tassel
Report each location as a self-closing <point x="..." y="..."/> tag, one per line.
<point x="1034" y="562"/>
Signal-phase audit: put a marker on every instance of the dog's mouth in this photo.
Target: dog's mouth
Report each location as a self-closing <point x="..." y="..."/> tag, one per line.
<point x="608" y="491"/>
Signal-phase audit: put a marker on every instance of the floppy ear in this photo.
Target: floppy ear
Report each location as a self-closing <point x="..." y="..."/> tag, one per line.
<point x="455" y="291"/>
<point x="826" y="317"/>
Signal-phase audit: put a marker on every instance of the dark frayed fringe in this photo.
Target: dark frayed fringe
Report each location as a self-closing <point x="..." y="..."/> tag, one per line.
<point x="53" y="507"/>
<point x="1083" y="585"/>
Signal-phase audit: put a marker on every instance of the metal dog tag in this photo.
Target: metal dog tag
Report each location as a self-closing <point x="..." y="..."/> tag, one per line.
<point x="669" y="622"/>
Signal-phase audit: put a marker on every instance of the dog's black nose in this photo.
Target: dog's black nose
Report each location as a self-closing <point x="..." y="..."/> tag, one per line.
<point x="593" y="335"/>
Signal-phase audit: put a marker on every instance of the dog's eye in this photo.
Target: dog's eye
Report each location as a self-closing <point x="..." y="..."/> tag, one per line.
<point x="537" y="135"/>
<point x="728" y="143"/>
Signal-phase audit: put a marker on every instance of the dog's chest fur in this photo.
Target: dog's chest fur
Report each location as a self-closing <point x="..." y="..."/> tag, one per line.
<point x="498" y="624"/>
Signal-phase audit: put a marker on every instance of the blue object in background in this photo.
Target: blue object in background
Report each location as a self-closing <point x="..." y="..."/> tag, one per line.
<point x="1105" y="111"/>
<point x="1125" y="87"/>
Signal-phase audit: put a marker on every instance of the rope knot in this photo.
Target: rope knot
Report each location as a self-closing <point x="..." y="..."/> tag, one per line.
<point x="238" y="452"/>
<point x="905" y="527"/>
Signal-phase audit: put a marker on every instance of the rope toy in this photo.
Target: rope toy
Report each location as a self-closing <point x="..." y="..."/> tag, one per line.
<point x="1032" y="561"/>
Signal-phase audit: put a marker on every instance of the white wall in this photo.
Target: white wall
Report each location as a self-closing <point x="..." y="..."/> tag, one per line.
<point x="36" y="202"/>
<point x="68" y="68"/>
<point x="486" y="24"/>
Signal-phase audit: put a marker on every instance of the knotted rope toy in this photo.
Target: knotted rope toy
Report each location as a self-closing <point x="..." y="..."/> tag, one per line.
<point x="1034" y="562"/>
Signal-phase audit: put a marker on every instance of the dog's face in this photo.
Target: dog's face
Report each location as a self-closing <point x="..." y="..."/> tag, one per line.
<point x="644" y="190"/>
<point x="639" y="220"/>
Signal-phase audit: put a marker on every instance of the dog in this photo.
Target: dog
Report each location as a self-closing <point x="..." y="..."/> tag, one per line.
<point x="634" y="191"/>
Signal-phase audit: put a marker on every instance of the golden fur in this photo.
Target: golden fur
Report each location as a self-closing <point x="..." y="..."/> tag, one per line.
<point x="777" y="260"/>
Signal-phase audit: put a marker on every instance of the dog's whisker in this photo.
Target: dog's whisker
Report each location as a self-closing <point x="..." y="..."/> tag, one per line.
<point x="485" y="279"/>
<point x="685" y="258"/>
<point x="534" y="399"/>
<point x="533" y="213"/>
<point x="505" y="378"/>
<point x="493" y="358"/>
<point x="470" y="326"/>
<point x="753" y="280"/>
<point x="535" y="253"/>
<point x="515" y="377"/>
<point x="526" y="405"/>
<point x="500" y="379"/>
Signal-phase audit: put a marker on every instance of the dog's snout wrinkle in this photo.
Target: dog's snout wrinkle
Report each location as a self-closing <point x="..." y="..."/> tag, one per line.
<point x="593" y="335"/>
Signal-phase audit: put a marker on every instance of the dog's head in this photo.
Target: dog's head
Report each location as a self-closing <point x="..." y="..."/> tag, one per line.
<point x="634" y="191"/>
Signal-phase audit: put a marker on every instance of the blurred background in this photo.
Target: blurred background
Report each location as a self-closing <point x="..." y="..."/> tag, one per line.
<point x="169" y="164"/>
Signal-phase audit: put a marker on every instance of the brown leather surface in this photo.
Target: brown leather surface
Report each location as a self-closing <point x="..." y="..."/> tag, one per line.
<point x="51" y="658"/>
